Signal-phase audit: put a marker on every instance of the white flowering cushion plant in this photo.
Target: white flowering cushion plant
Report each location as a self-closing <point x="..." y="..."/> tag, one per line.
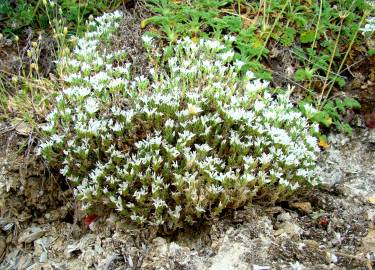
<point x="192" y="139"/>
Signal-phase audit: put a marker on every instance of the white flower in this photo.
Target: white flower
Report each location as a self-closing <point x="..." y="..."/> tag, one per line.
<point x="118" y="202"/>
<point x="128" y="114"/>
<point x="227" y="56"/>
<point x="193" y="109"/>
<point x="117" y="83"/>
<point x="72" y="77"/>
<point x="85" y="67"/>
<point x="159" y="203"/>
<point x="297" y="266"/>
<point x="95" y="126"/>
<point x="64" y="170"/>
<point x="91" y="105"/>
<point x="130" y="205"/>
<point x="49" y="127"/>
<point x="169" y="123"/>
<point x="310" y="110"/>
<point x="284" y="182"/>
<point x="176" y="212"/>
<point x="215" y="189"/>
<point x="370" y="26"/>
<point x="57" y="138"/>
<point x="315" y="127"/>
<point x="230" y="38"/>
<point x="294" y="186"/>
<point x="74" y="63"/>
<point x="312" y="142"/>
<point x="212" y="44"/>
<point x="200" y="209"/>
<point x="140" y="193"/>
<point x="122" y="69"/>
<point x="147" y="39"/>
<point x="204" y="147"/>
<point x="236" y="114"/>
<point x="239" y="64"/>
<point x="250" y="75"/>
<point x="248" y="177"/>
<point x="117" y="127"/>
<point x="186" y="135"/>
<point x="84" y="91"/>
<point x="137" y="218"/>
<point x="265" y="158"/>
<point x="259" y="105"/>
<point x="279" y="136"/>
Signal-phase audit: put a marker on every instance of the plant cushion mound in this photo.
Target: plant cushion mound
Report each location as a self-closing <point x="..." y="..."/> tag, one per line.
<point x="196" y="136"/>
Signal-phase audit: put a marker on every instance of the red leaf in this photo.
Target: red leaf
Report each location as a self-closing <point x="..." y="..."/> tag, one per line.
<point x="89" y="219"/>
<point x="370" y="120"/>
<point x="324" y="221"/>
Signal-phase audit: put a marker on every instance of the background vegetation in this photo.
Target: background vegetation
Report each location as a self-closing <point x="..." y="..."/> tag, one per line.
<point x="310" y="44"/>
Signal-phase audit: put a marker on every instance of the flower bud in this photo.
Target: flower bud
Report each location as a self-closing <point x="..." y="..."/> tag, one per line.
<point x="193" y="110"/>
<point x="34" y="44"/>
<point x="73" y="40"/>
<point x="34" y="66"/>
<point x="29" y="53"/>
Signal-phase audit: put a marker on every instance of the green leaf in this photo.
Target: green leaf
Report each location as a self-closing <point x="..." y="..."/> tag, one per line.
<point x="340" y="81"/>
<point x="307" y="37"/>
<point x="340" y="105"/>
<point x="344" y="127"/>
<point x="351" y="103"/>
<point x="323" y="117"/>
<point x="300" y="75"/>
<point x="232" y="23"/>
<point x="264" y="75"/>
<point x="287" y="38"/>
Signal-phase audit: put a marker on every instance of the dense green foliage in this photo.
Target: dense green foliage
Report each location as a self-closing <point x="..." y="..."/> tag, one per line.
<point x="16" y="15"/>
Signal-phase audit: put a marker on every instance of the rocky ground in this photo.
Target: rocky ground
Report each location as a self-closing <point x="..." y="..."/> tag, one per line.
<point x="332" y="227"/>
<point x="328" y="228"/>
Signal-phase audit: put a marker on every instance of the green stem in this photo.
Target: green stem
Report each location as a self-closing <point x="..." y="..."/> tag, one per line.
<point x="273" y="27"/>
<point x="330" y="63"/>
<point x="318" y="24"/>
<point x="345" y="56"/>
<point x="316" y="33"/>
<point x="36" y="8"/>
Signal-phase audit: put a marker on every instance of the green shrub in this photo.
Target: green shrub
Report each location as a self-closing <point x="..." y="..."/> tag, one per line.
<point x="16" y="15"/>
<point x="194" y="138"/>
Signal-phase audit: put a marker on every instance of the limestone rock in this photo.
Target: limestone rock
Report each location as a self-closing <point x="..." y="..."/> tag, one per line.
<point x="31" y="234"/>
<point x="3" y="246"/>
<point x="290" y="229"/>
<point x="368" y="242"/>
<point x="304" y="207"/>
